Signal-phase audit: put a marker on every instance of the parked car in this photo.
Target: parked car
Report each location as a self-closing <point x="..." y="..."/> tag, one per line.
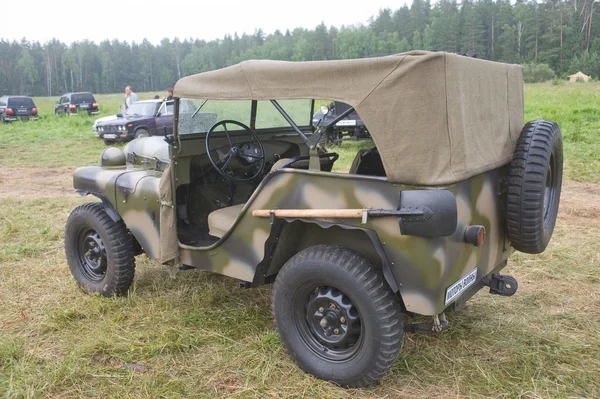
<point x="100" y="120"/>
<point x="17" y="107"/>
<point x="71" y="103"/>
<point x="350" y="126"/>
<point x="454" y="185"/>
<point x="142" y="119"/>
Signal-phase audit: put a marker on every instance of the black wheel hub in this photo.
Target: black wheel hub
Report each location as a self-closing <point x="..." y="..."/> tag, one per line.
<point x="332" y="328"/>
<point x="92" y="255"/>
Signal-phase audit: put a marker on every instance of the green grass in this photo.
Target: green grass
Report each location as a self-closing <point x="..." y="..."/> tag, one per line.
<point x="576" y="108"/>
<point x="199" y="335"/>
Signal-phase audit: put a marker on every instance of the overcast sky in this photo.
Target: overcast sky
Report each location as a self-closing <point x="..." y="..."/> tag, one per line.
<point x="134" y="20"/>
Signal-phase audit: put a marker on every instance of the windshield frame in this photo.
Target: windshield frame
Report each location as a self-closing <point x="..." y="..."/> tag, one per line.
<point x="253" y="112"/>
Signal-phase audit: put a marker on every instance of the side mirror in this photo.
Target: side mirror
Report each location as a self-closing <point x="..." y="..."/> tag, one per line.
<point x="119" y="115"/>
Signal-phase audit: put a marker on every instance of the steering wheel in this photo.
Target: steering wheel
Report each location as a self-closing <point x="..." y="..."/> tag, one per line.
<point x="248" y="153"/>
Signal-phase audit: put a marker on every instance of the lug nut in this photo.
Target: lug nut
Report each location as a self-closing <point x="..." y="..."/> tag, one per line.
<point x="323" y="322"/>
<point x="332" y="306"/>
<point x="321" y="309"/>
<point x="336" y="331"/>
<point x="342" y="319"/>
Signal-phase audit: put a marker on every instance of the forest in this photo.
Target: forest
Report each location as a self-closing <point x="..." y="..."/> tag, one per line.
<point x="550" y="38"/>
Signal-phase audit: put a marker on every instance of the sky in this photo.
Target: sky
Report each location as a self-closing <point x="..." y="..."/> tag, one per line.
<point x="135" y="20"/>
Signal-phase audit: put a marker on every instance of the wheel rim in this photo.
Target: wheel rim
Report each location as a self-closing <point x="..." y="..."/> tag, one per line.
<point x="92" y="255"/>
<point x="142" y="135"/>
<point x="549" y="192"/>
<point x="328" y="323"/>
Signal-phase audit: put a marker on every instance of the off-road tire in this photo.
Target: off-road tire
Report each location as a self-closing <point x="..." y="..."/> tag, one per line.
<point x="141" y="133"/>
<point x="378" y="309"/>
<point x="534" y="186"/>
<point x="118" y="246"/>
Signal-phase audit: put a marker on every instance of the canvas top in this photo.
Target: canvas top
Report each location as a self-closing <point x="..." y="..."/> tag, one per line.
<point x="436" y="118"/>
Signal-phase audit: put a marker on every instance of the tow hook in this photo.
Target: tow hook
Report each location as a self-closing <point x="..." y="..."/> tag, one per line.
<point x="439" y="324"/>
<point x="501" y="285"/>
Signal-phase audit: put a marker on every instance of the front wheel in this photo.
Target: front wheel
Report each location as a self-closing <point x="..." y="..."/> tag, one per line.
<point x="336" y="316"/>
<point x="141" y="133"/>
<point x="99" y="251"/>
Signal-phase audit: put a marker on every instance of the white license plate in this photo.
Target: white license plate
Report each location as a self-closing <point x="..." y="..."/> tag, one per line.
<point x="84" y="106"/>
<point x="110" y="136"/>
<point x="460" y="286"/>
<point x="346" y="123"/>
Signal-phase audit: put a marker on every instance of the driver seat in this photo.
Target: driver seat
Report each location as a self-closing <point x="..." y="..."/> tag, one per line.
<point x="221" y="220"/>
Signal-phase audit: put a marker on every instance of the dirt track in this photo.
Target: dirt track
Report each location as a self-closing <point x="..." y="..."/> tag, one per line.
<point x="577" y="199"/>
<point x="23" y="183"/>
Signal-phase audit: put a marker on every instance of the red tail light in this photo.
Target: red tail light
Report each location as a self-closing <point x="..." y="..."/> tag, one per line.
<point x="34" y="111"/>
<point x="9" y="111"/>
<point x="94" y="104"/>
<point x="72" y="107"/>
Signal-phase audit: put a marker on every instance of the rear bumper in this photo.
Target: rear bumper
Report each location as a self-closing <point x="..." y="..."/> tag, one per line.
<point x="11" y="118"/>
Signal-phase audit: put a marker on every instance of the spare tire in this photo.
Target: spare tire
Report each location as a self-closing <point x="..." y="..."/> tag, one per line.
<point x="534" y="185"/>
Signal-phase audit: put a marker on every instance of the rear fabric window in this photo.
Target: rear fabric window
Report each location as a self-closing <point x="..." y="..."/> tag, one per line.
<point x="21" y="102"/>
<point x="83" y="97"/>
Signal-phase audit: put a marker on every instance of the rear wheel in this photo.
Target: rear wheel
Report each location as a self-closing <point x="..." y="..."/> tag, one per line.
<point x="336" y="316"/>
<point x="534" y="186"/>
<point x="99" y="251"/>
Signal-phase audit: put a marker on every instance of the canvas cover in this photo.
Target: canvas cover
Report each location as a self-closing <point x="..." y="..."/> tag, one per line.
<point x="435" y="117"/>
<point x="169" y="245"/>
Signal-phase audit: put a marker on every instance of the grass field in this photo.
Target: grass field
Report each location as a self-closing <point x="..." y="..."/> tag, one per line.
<point x="199" y="335"/>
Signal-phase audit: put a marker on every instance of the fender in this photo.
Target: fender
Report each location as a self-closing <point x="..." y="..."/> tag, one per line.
<point x="110" y="210"/>
<point x="263" y="273"/>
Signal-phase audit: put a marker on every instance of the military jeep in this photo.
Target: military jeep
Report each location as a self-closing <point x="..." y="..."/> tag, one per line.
<point x="455" y="183"/>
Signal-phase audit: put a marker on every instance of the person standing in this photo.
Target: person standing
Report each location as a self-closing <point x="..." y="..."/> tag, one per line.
<point x="130" y="97"/>
<point x="169" y="96"/>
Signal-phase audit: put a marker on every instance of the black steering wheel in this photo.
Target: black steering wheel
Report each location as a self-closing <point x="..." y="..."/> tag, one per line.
<point x="248" y="153"/>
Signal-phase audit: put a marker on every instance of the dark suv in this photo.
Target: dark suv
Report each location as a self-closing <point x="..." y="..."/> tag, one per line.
<point x="70" y="103"/>
<point x="17" y="107"/>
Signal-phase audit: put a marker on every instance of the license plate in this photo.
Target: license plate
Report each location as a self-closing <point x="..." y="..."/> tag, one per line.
<point x="84" y="106"/>
<point x="460" y="286"/>
<point x="346" y="123"/>
<point x="110" y="136"/>
<point x="22" y="111"/>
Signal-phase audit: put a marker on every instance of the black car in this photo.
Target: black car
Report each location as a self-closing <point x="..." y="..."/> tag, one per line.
<point x="17" y="107"/>
<point x="70" y="103"/>
<point x="351" y="125"/>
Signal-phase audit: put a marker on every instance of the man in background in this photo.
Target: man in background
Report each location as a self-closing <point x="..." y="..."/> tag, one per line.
<point x="169" y="96"/>
<point x="130" y="97"/>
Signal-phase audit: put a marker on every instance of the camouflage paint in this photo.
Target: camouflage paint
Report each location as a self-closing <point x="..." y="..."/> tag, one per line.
<point x="422" y="267"/>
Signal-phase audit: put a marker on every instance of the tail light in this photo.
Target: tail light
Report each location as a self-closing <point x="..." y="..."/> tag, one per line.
<point x="9" y="111"/>
<point x="94" y="104"/>
<point x="34" y="111"/>
<point x="72" y="107"/>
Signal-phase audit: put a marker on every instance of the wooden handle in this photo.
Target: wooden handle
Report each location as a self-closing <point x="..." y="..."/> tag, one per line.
<point x="311" y="213"/>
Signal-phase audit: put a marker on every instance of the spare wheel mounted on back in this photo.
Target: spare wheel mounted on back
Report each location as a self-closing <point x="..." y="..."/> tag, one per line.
<point x="535" y="180"/>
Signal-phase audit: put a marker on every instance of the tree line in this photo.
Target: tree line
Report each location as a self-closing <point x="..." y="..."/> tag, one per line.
<point x="562" y="35"/>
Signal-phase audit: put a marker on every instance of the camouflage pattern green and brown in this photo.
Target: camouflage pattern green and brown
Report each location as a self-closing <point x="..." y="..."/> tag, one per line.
<point x="419" y="109"/>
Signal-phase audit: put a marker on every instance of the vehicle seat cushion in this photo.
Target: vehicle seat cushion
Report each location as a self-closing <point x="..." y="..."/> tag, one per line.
<point x="221" y="220"/>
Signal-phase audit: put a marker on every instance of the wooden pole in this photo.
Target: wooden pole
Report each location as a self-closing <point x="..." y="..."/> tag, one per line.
<point x="311" y="213"/>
